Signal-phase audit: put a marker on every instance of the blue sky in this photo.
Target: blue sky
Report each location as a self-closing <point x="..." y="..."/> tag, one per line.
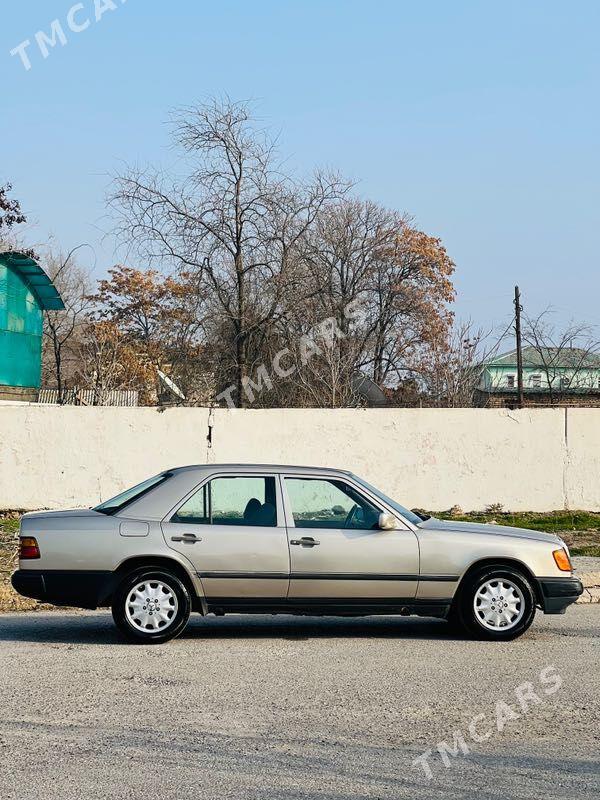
<point x="480" y="119"/>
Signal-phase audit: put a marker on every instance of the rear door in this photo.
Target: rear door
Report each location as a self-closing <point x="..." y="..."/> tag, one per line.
<point x="232" y="529"/>
<point x="338" y="552"/>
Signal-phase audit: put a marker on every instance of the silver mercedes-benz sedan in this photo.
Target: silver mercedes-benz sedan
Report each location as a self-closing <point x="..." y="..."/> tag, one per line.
<point x="237" y="538"/>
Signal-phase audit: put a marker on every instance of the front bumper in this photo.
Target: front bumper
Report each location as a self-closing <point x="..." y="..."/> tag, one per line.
<point x="559" y="593"/>
<point x="79" y="588"/>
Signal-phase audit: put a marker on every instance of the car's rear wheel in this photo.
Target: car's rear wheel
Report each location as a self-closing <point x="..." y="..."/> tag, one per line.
<point x="151" y="606"/>
<point x="495" y="603"/>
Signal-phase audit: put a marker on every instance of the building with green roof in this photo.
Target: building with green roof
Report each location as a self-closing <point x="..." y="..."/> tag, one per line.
<point x="564" y="375"/>
<point x="25" y="293"/>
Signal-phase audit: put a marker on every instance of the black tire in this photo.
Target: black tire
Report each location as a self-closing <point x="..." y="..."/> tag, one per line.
<point x="453" y="620"/>
<point x="175" y="606"/>
<point x="463" y="610"/>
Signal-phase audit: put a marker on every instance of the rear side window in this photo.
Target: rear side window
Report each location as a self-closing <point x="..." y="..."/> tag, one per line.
<point x="235" y="500"/>
<point x="115" y="504"/>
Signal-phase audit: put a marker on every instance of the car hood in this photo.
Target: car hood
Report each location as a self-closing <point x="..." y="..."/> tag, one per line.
<point x="477" y="527"/>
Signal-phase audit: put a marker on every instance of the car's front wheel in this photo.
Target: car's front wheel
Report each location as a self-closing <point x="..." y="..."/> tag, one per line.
<point x="151" y="606"/>
<point x="496" y="603"/>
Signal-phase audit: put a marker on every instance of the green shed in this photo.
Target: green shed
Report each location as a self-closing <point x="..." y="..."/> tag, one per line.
<point x="25" y="293"/>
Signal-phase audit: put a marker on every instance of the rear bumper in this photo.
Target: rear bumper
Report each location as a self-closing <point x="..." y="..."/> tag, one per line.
<point x="29" y="584"/>
<point x="80" y="588"/>
<point x="559" y="593"/>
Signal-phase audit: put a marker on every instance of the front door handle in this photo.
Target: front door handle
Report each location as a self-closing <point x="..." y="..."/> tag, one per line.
<point x="190" y="538"/>
<point x="305" y="541"/>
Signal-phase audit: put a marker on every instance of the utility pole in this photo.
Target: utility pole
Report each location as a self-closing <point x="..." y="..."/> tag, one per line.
<point x="518" y="309"/>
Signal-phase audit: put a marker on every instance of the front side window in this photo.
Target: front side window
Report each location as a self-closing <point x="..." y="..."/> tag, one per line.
<point x="235" y="500"/>
<point x="404" y="512"/>
<point x="323" y="503"/>
<point x="536" y="381"/>
<point x="510" y="381"/>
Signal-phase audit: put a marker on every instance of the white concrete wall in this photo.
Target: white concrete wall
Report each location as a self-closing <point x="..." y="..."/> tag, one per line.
<point x="542" y="459"/>
<point x="60" y="456"/>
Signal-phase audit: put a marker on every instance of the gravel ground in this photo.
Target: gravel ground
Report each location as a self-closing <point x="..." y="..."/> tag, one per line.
<point x="274" y="707"/>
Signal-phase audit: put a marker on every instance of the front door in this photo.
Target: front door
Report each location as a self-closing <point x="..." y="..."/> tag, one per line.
<point x="338" y="554"/>
<point x="233" y="531"/>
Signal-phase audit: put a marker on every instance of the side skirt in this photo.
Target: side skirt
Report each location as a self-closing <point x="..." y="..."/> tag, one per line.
<point x="328" y="606"/>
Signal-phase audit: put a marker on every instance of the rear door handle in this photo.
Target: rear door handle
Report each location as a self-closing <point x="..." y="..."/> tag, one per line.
<point x="190" y="538"/>
<point x="305" y="541"/>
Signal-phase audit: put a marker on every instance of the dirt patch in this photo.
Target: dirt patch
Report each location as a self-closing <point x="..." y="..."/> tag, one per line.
<point x="9" y="599"/>
<point x="582" y="543"/>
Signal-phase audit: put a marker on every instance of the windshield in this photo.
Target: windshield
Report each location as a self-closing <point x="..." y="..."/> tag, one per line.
<point x="409" y="515"/>
<point x="118" y="502"/>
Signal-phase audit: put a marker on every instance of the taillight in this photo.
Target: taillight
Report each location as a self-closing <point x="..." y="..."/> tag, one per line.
<point x="28" y="548"/>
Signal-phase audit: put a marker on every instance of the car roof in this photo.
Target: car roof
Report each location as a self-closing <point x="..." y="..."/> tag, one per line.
<point x="257" y="468"/>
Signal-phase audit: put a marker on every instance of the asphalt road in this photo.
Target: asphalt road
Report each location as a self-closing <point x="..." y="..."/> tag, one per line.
<point x="281" y="707"/>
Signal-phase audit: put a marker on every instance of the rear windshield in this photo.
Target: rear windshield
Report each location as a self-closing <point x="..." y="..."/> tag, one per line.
<point x="119" y="502"/>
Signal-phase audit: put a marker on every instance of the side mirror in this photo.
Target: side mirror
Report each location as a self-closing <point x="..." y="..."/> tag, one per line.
<point x="388" y="522"/>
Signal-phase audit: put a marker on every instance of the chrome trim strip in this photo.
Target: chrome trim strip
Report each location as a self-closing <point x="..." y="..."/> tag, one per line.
<point x="351" y="576"/>
<point x="330" y="576"/>
<point x="244" y="575"/>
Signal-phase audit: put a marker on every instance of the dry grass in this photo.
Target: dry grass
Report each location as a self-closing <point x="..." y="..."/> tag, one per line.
<point x="9" y="599"/>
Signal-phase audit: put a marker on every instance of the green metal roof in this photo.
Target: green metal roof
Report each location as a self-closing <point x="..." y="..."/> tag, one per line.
<point x="34" y="276"/>
<point x="548" y="357"/>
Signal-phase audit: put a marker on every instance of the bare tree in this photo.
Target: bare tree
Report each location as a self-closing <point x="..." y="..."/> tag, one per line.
<point x="384" y="284"/>
<point x="235" y="220"/>
<point x="568" y="357"/>
<point x="311" y="362"/>
<point x="451" y="373"/>
<point x="62" y="327"/>
<point x="409" y="293"/>
<point x="326" y="375"/>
